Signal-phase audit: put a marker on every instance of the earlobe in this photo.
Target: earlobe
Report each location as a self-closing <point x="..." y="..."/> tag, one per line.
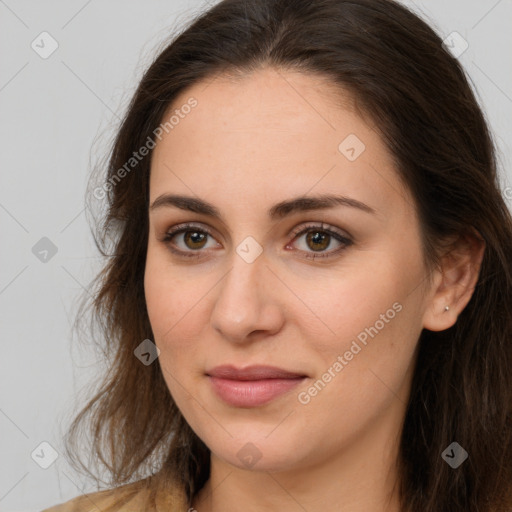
<point x="455" y="283"/>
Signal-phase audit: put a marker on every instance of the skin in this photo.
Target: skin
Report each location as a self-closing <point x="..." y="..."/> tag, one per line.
<point x="247" y="145"/>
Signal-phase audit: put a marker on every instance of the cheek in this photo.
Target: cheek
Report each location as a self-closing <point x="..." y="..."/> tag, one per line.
<point x="362" y="372"/>
<point x="170" y="303"/>
<point x="345" y="304"/>
<point x="370" y="316"/>
<point x="335" y="303"/>
<point x="177" y="305"/>
<point x="169" y="297"/>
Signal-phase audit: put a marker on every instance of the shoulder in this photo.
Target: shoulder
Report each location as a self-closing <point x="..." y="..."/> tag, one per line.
<point x="161" y="493"/>
<point x="126" y="498"/>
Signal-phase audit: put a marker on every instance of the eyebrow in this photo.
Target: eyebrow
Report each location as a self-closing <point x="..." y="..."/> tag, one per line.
<point x="278" y="211"/>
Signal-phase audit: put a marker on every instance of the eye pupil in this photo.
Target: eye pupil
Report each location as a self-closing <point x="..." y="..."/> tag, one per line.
<point x="317" y="237"/>
<point x="195" y="237"/>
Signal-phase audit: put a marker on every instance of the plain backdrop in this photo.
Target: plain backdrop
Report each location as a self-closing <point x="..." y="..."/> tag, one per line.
<point x="53" y="107"/>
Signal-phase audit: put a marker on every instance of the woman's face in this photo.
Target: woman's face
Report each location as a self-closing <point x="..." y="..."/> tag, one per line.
<point x="243" y="288"/>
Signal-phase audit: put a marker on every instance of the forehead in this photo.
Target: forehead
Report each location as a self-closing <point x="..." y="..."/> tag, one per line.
<point x="272" y="133"/>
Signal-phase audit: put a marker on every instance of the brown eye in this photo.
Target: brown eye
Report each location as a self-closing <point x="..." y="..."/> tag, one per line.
<point x="188" y="240"/>
<point x="318" y="240"/>
<point x="195" y="239"/>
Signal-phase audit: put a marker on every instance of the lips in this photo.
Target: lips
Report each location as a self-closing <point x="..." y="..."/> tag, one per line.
<point x="253" y="386"/>
<point x="252" y="373"/>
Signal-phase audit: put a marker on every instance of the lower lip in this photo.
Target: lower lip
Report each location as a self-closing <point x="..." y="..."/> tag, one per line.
<point x="252" y="393"/>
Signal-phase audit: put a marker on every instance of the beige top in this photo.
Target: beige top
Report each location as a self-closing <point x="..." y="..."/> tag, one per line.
<point x="134" y="497"/>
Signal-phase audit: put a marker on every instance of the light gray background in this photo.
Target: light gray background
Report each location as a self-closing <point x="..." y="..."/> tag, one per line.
<point x="51" y="112"/>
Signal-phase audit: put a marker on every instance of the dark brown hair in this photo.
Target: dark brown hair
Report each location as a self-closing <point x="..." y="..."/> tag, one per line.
<point x="419" y="98"/>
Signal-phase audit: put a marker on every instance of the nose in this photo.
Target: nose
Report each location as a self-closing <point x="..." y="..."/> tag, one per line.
<point x="247" y="306"/>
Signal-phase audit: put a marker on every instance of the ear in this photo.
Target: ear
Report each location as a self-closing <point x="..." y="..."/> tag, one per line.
<point x="454" y="282"/>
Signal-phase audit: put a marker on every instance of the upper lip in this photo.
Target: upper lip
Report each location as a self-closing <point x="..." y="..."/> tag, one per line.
<point x="256" y="372"/>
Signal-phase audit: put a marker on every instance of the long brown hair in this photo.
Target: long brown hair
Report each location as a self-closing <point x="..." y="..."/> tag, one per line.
<point x="420" y="100"/>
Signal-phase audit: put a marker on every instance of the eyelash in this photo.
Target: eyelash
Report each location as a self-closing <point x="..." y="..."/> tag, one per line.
<point x="183" y="228"/>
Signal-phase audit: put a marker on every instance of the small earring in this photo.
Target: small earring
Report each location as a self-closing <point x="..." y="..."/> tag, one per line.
<point x="447" y="308"/>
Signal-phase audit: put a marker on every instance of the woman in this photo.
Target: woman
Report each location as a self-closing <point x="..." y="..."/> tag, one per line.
<point x="308" y="302"/>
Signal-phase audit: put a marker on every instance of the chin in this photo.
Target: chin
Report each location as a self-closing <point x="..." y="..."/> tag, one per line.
<point x="254" y="453"/>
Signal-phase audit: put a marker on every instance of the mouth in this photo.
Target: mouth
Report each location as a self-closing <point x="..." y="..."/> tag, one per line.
<point x="252" y="386"/>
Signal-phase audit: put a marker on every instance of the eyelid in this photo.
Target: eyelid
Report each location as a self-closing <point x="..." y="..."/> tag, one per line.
<point x="342" y="237"/>
<point x="321" y="226"/>
<point x="183" y="226"/>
